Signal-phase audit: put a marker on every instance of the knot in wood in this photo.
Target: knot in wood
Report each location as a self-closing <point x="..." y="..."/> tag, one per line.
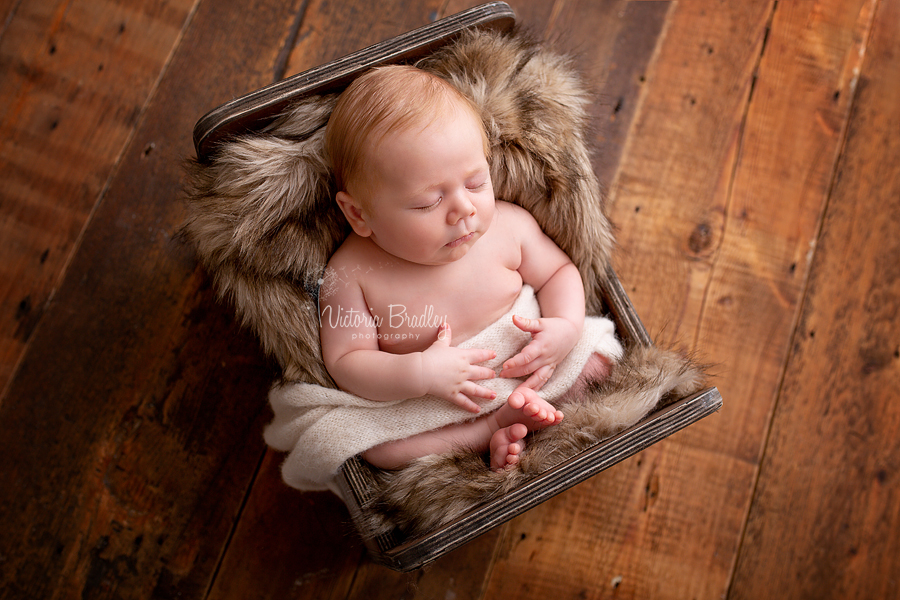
<point x="701" y="238"/>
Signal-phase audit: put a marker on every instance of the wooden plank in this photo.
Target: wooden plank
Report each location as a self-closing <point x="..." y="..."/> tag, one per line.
<point x="132" y="429"/>
<point x="717" y="202"/>
<point x="255" y="110"/>
<point x="787" y="158"/>
<point x="334" y="29"/>
<point x="289" y="544"/>
<point x="75" y="79"/>
<point x="825" y="517"/>
<point x="459" y="574"/>
<point x="7" y="11"/>
<point x="533" y="16"/>
<point x="611" y="43"/>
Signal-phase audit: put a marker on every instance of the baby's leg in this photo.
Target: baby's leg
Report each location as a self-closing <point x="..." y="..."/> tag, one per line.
<point x="497" y="432"/>
<point x="597" y="368"/>
<point x="524" y="411"/>
<point x="396" y="454"/>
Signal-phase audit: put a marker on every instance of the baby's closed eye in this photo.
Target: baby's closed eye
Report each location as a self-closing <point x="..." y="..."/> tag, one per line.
<point x="431" y="206"/>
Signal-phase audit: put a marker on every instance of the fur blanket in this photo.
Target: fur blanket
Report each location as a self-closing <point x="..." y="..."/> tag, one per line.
<point x="264" y="223"/>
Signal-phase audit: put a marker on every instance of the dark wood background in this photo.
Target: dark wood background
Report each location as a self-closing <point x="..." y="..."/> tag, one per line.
<point x="751" y="151"/>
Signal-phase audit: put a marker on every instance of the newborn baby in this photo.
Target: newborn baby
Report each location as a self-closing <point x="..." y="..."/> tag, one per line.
<point x="432" y="260"/>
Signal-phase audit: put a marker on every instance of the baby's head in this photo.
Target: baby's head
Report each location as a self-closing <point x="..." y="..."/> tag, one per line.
<point x="383" y="101"/>
<point x="410" y="157"/>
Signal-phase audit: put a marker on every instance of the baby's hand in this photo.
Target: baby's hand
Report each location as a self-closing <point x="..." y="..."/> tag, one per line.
<point x="551" y="341"/>
<point x="450" y="373"/>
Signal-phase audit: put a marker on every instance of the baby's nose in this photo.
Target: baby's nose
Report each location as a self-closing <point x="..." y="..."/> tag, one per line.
<point x="461" y="208"/>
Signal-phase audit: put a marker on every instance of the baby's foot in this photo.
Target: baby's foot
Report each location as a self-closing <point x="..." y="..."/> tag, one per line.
<point x="524" y="411"/>
<point x="538" y="412"/>
<point x="506" y="444"/>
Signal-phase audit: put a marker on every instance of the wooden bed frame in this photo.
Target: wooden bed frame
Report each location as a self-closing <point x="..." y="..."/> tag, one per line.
<point x="253" y="111"/>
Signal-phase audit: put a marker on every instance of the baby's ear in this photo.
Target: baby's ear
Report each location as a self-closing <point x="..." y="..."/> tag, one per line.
<point x="354" y="214"/>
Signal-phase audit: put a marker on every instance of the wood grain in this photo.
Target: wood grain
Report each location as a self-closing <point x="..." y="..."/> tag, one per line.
<point x="75" y="80"/>
<point x="639" y="525"/>
<point x="835" y="441"/>
<point x="133" y="462"/>
<point x="133" y="426"/>
<point x="789" y="148"/>
<point x="334" y="29"/>
<point x="289" y="544"/>
<point x="685" y="207"/>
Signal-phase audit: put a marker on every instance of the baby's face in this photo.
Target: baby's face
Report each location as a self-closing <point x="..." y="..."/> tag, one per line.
<point x="430" y="197"/>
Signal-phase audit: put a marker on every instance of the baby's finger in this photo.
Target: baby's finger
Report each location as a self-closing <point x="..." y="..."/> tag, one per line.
<point x="477" y="373"/>
<point x="529" y="325"/>
<point x="512" y="373"/>
<point x="518" y="365"/>
<point x="462" y="401"/>
<point x="479" y="355"/>
<point x="525" y="367"/>
<point x="478" y="391"/>
<point x="539" y="378"/>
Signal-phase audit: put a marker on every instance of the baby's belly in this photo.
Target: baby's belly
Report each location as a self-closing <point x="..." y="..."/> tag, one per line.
<point x="414" y="327"/>
<point x="404" y="329"/>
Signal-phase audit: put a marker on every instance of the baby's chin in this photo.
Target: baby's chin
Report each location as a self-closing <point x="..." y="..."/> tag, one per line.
<point x="445" y="257"/>
<point x="457" y="254"/>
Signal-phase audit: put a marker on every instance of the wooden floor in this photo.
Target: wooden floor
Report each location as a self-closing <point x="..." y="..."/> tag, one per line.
<point x="751" y="150"/>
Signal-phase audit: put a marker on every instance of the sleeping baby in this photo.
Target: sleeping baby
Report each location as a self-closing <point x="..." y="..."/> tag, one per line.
<point x="432" y="262"/>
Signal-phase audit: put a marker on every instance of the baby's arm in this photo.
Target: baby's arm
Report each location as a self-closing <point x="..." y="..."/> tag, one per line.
<point x="560" y="293"/>
<point x="356" y="363"/>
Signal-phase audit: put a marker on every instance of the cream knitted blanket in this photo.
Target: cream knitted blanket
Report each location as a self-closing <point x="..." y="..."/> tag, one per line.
<point x="320" y="427"/>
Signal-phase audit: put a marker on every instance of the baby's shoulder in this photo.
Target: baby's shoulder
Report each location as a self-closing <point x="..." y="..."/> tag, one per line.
<point x="516" y="220"/>
<point x="352" y="252"/>
<point x="514" y="214"/>
<point x="349" y="262"/>
<point x="513" y="211"/>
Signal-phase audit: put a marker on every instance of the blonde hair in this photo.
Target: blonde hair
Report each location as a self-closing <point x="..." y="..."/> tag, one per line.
<point x="381" y="101"/>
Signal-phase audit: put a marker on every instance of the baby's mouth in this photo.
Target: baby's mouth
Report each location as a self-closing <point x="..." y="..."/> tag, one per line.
<point x="461" y="240"/>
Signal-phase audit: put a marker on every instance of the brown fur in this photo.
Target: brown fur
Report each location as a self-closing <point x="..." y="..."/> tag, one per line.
<point x="264" y="223"/>
<point x="443" y="488"/>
